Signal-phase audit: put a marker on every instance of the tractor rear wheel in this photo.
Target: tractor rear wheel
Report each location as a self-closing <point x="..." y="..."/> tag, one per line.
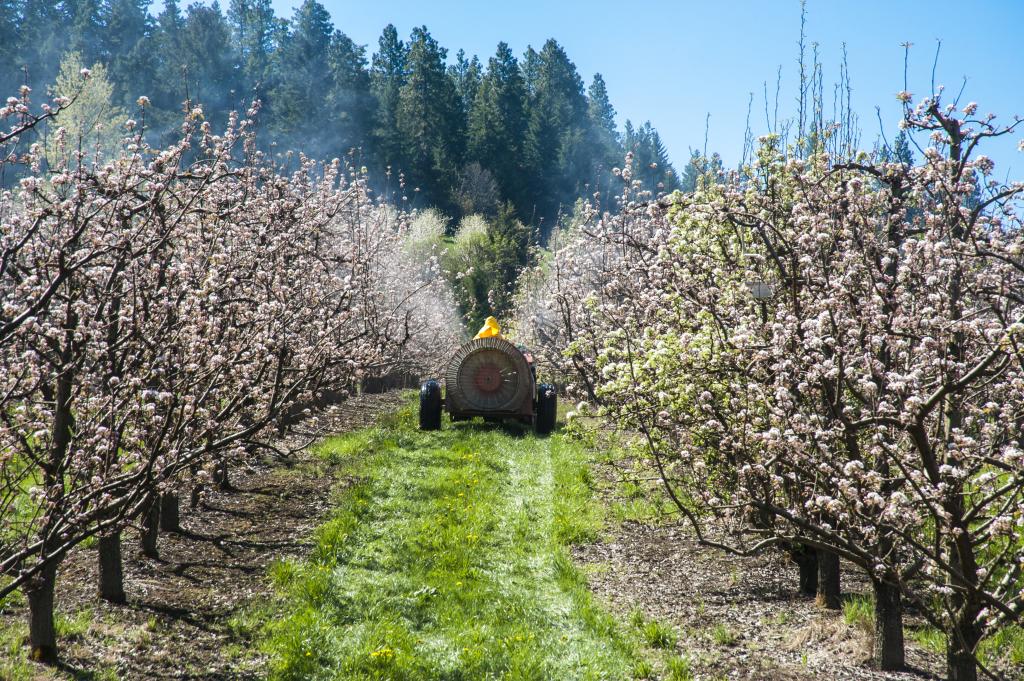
<point x="430" y="406"/>
<point x="547" y="408"/>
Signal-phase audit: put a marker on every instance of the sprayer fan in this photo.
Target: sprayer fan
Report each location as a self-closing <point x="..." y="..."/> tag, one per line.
<point x="488" y="374"/>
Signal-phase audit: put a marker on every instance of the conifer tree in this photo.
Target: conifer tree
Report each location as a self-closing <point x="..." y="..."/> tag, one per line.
<point x="9" y="76"/>
<point x="349" y="101"/>
<point x="387" y="75"/>
<point x="901" y="148"/>
<point x="520" y="131"/>
<point x="497" y="125"/>
<point x="252" y="28"/>
<point x="531" y="69"/>
<point x="509" y="243"/>
<point x="691" y="172"/>
<point x="429" y="121"/>
<point x="127" y="49"/>
<point x="651" y="164"/>
<point x="86" y="29"/>
<point x="466" y="74"/>
<point x="41" y="41"/>
<point x="600" y="109"/>
<point x="207" y="60"/>
<point x="603" y="135"/>
<point x="558" y="162"/>
<point x="170" y="67"/>
<point x="303" y="80"/>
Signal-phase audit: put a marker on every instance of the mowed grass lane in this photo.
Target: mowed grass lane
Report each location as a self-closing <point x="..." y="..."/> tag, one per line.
<point x="448" y="559"/>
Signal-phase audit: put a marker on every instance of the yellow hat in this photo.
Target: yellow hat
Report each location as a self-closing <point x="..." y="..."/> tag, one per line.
<point x="489" y="329"/>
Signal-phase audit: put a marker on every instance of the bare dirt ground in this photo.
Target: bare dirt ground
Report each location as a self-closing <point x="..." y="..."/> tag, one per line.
<point x="186" y="611"/>
<point x="735" y="617"/>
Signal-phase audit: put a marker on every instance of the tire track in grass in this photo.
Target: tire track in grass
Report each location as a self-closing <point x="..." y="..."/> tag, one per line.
<point x="449" y="560"/>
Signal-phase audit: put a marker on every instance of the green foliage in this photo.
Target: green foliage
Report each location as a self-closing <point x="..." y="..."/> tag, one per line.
<point x="680" y="669"/>
<point x="604" y="136"/>
<point x="205" y="64"/>
<point x="655" y="634"/>
<point x="722" y="635"/>
<point x="558" y="115"/>
<point x="1005" y="646"/>
<point x="23" y="509"/>
<point x="126" y="36"/>
<point x="701" y="173"/>
<point x="426" y="236"/>
<point x="465" y="73"/>
<point x="929" y="638"/>
<point x="448" y="559"/>
<point x="8" y="42"/>
<point x="497" y="125"/>
<point x="599" y="107"/>
<point x="14" y="664"/>
<point x="643" y="670"/>
<point x="466" y="137"/>
<point x="484" y="261"/>
<point x="91" y="123"/>
<point x="252" y="28"/>
<point x="634" y="497"/>
<point x="14" y="599"/>
<point x="166" y="40"/>
<point x="317" y="68"/>
<point x="650" y="158"/>
<point x="577" y="520"/>
<point x="73" y="626"/>
<point x="429" y="119"/>
<point x="636" y="618"/>
<point x="859" y="611"/>
<point x="387" y="76"/>
<point x="658" y="635"/>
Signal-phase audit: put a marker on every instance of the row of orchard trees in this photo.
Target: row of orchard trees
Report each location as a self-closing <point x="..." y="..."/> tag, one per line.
<point x="161" y="311"/>
<point x="824" y="354"/>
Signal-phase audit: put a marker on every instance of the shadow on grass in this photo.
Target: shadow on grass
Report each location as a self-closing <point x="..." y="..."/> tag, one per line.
<point x="513" y="429"/>
<point x="78" y="673"/>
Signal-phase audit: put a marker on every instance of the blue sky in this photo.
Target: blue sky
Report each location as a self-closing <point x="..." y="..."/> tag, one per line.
<point x="676" y="62"/>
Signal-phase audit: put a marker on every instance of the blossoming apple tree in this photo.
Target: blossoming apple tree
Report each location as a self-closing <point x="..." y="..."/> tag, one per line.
<point x="827" y="352"/>
<point x="160" y="311"/>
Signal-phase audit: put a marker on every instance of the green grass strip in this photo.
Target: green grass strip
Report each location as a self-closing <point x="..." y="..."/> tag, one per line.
<point x="449" y="560"/>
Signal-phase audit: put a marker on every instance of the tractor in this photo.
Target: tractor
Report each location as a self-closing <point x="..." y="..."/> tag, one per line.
<point x="493" y="378"/>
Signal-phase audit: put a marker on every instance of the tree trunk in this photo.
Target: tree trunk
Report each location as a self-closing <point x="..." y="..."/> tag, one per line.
<point x="197" y="495"/>
<point x="220" y="476"/>
<point x="149" y="530"/>
<point x="963" y="640"/>
<point x="42" y="635"/>
<point x="170" y="517"/>
<point x="111" y="584"/>
<point x="888" y="642"/>
<point x="961" y="664"/>
<point x="807" y="559"/>
<point x="828" y="580"/>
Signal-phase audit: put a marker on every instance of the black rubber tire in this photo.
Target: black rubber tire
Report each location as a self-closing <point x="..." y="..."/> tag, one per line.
<point x="547" y="409"/>
<point x="430" y="406"/>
